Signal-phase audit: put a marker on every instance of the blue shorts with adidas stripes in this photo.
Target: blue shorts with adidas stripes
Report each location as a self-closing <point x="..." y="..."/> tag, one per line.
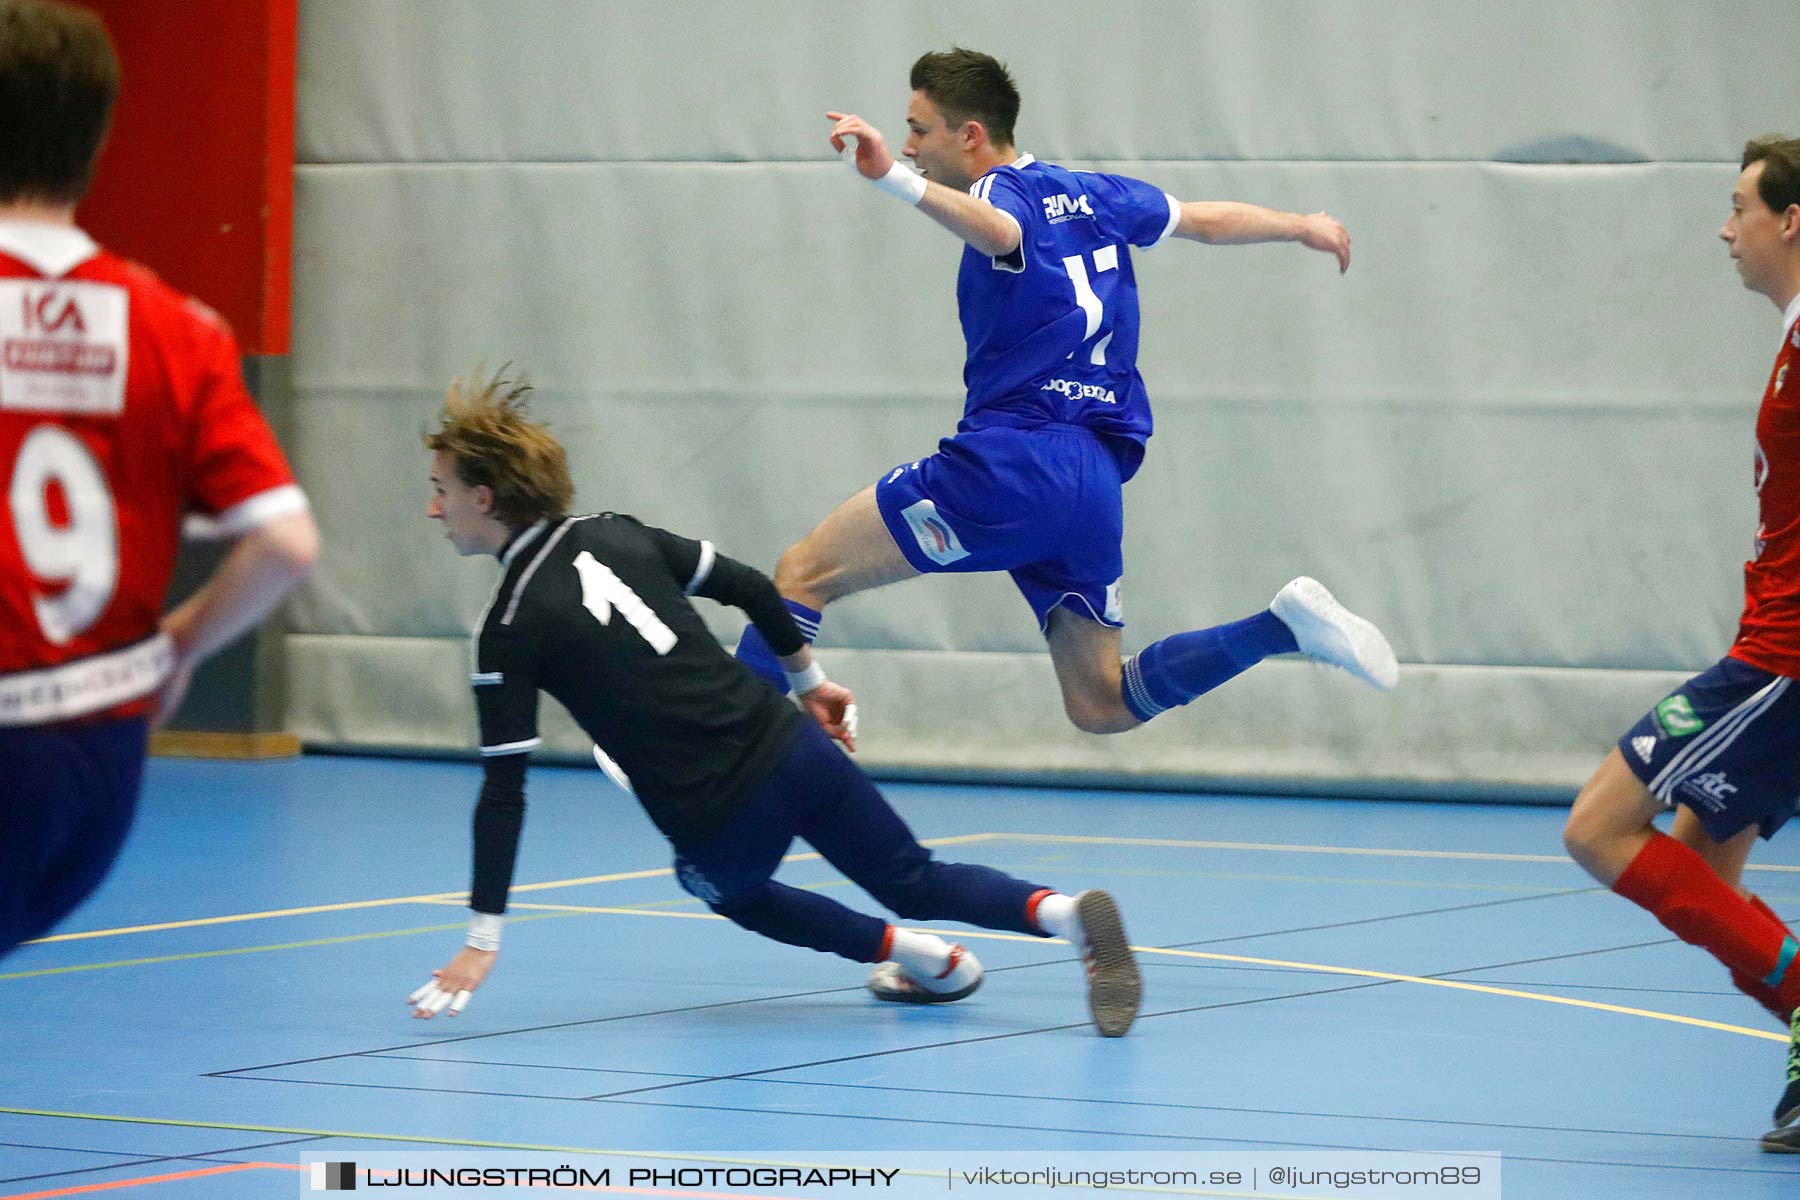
<point x="1045" y="505"/>
<point x="1727" y="744"/>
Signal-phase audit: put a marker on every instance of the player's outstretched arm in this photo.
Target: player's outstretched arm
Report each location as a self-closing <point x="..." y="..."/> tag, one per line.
<point x="499" y="819"/>
<point x="265" y="565"/>
<point x="1228" y="223"/>
<point x="976" y="222"/>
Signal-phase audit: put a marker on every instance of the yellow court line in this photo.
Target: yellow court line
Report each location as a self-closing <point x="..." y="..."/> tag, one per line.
<point x="1322" y="968"/>
<point x="427" y="898"/>
<point x="547" y="911"/>
<point x="1286" y="848"/>
<point x="626" y="912"/>
<point x="226" y="953"/>
<point x="360" y="1135"/>
<point x="254" y="916"/>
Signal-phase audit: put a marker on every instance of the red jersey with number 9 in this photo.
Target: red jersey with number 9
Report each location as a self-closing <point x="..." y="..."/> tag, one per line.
<point x="1769" y="633"/>
<point x="122" y="408"/>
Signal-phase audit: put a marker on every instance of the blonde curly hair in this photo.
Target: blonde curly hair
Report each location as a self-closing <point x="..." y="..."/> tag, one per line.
<point x="493" y="443"/>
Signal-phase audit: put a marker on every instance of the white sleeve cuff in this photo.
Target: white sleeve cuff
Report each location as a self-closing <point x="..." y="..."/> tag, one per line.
<point x="246" y="515"/>
<point x="707" y="557"/>
<point x="1174" y="220"/>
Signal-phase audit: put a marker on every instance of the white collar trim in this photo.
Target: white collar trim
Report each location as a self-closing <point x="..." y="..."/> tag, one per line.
<point x="1024" y="160"/>
<point x="1792" y="315"/>
<point x="54" y="250"/>
<point x="528" y="536"/>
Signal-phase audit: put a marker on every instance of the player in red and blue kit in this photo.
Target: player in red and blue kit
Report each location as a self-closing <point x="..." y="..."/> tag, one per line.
<point x="1723" y="749"/>
<point x="1056" y="416"/>
<point x="122" y="407"/>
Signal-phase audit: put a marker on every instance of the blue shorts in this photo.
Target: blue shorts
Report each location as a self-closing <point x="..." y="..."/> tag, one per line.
<point x="1727" y="744"/>
<point x="69" y="795"/>
<point x="1045" y="505"/>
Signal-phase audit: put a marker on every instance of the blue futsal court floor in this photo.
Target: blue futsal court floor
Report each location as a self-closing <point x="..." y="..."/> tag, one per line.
<point x="1319" y="975"/>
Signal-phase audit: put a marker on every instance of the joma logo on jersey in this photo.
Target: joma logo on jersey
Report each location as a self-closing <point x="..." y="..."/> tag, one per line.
<point x="1080" y="391"/>
<point x="1066" y="208"/>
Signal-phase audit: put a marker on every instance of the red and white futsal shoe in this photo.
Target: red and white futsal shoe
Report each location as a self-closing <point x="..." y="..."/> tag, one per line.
<point x="891" y="982"/>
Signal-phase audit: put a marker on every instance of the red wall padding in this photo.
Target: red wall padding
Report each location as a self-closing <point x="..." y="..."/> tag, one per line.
<point x="197" y="178"/>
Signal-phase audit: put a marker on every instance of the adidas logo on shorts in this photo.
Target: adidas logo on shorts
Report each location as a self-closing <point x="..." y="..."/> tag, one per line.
<point x="1645" y="746"/>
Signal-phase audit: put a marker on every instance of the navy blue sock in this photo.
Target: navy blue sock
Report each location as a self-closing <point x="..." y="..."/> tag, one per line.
<point x="753" y="649"/>
<point x="1179" y="668"/>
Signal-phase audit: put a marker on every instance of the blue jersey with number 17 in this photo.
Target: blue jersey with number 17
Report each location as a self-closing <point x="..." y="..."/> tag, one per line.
<point x="1052" y="329"/>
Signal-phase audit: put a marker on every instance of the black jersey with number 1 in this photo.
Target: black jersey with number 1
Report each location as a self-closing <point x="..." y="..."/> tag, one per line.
<point x="594" y="610"/>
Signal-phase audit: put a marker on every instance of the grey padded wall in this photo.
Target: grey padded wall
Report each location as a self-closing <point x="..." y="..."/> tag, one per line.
<point x="1517" y="434"/>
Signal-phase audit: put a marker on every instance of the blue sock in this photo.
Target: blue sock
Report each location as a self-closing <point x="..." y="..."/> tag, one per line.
<point x="1179" y="668"/>
<point x="753" y="649"/>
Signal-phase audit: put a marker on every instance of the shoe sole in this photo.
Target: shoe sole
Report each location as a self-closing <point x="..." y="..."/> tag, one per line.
<point x="1372" y="657"/>
<point x="1782" y="1141"/>
<point x="1115" y="989"/>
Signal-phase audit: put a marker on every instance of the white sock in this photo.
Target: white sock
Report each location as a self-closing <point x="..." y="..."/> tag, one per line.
<point x="1056" y="916"/>
<point x="924" y="955"/>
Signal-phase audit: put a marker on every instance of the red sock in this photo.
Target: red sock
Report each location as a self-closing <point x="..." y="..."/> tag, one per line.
<point x="1756" y="989"/>
<point x="1681" y="891"/>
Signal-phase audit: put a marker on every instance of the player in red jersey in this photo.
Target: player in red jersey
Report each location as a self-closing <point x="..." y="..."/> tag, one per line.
<point x="122" y="408"/>
<point x="1725" y="746"/>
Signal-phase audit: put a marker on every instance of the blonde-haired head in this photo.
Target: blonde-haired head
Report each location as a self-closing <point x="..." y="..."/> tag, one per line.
<point x="493" y="443"/>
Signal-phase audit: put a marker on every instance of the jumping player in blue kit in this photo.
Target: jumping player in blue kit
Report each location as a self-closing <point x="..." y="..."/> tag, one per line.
<point x="1056" y="416"/>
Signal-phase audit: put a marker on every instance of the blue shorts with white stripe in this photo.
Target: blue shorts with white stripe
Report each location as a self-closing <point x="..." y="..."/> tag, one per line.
<point x="1727" y="744"/>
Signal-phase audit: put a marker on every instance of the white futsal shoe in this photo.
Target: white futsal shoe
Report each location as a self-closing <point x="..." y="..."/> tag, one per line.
<point x="1331" y="633"/>
<point x="891" y="982"/>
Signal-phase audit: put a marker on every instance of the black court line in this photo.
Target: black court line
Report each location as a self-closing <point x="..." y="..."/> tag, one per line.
<point x="690" y="1081"/>
<point x="885" y="1118"/>
<point x="618" y="1096"/>
<point x="1559" y="985"/>
<point x="204" y="1156"/>
<point x="482" y="1062"/>
<point x="242" y="1072"/>
<point x="1241" y="1002"/>
<point x="1039" y="1097"/>
<point x="1403" y="916"/>
<point x="498" y="1033"/>
<point x="68" y="1149"/>
<point x="1610" y="987"/>
<point x="1566" y="955"/>
<point x="1185" y="1137"/>
<point x="662" y="1012"/>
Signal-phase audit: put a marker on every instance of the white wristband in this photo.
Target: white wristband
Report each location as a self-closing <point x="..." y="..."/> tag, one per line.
<point x="900" y="181"/>
<point x="805" y="681"/>
<point x="903" y="183"/>
<point x="484" y="930"/>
